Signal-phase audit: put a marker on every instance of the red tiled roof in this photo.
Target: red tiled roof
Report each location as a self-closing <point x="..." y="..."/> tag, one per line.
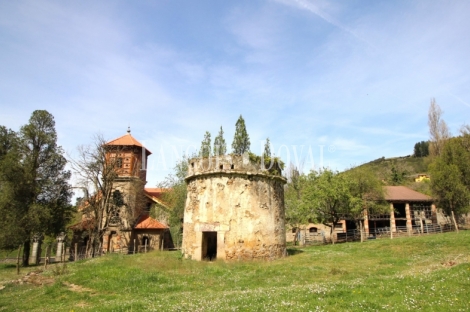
<point x="147" y="222"/>
<point x="156" y="194"/>
<point x="127" y="140"/>
<point x="403" y="193"/>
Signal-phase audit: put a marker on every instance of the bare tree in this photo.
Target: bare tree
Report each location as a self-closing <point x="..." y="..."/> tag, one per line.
<point x="104" y="205"/>
<point x="438" y="130"/>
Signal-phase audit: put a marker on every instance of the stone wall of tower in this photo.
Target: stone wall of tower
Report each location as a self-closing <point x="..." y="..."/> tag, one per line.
<point x="238" y="200"/>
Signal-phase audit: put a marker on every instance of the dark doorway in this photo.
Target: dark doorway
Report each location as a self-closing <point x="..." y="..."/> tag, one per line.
<point x="209" y="245"/>
<point x="351" y="225"/>
<point x="145" y="241"/>
<point x="400" y="211"/>
<point x="110" y="241"/>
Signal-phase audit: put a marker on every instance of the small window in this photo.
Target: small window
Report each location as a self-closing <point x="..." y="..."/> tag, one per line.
<point x="313" y="230"/>
<point x="294" y="230"/>
<point x="192" y="165"/>
<point x="119" y="162"/>
<point x="232" y="166"/>
<point x="221" y="167"/>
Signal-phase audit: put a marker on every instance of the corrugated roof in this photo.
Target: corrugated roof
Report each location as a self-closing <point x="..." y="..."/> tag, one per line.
<point x="127" y="140"/>
<point x="403" y="193"/>
<point x="149" y="223"/>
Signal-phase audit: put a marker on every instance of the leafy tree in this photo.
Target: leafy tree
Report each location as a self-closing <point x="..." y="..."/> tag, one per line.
<point x="397" y="175"/>
<point x="327" y="197"/>
<point x="241" y="140"/>
<point x="37" y="197"/>
<point x="367" y="194"/>
<point x="450" y="175"/>
<point x="206" y="145"/>
<point x="220" y="147"/>
<point x="296" y="216"/>
<point x="13" y="191"/>
<point x="175" y="197"/>
<point x="267" y="149"/>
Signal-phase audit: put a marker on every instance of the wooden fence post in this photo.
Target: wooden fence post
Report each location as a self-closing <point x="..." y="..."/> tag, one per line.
<point x="455" y="223"/>
<point x="18" y="261"/>
<point x="46" y="258"/>
<point x="86" y="248"/>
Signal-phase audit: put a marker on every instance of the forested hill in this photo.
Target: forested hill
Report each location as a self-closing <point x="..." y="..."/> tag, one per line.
<point x="401" y="171"/>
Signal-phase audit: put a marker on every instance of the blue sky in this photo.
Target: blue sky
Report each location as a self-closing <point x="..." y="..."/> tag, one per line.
<point x="350" y="81"/>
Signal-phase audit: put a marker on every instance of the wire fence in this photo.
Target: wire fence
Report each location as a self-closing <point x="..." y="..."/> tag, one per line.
<point x="76" y="253"/>
<point x="340" y="236"/>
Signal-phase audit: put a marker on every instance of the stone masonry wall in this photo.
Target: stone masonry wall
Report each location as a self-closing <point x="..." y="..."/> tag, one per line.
<point x="241" y="202"/>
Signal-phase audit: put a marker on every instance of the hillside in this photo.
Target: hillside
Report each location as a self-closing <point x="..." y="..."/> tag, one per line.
<point x="401" y="171"/>
<point x="429" y="272"/>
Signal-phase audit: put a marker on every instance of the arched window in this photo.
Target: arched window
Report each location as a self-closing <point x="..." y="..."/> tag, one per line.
<point x="118" y="199"/>
<point x="313" y="230"/>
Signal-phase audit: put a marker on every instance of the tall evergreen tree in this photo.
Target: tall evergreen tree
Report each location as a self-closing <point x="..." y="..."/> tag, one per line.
<point x="220" y="147"/>
<point x="206" y="145"/>
<point x="39" y="190"/>
<point x="421" y="149"/>
<point x="267" y="149"/>
<point x="241" y="140"/>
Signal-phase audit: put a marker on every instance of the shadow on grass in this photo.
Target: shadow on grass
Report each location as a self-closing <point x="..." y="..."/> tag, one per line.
<point x="294" y="251"/>
<point x="7" y="265"/>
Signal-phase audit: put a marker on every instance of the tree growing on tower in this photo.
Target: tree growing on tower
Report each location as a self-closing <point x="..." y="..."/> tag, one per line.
<point x="220" y="147"/>
<point x="241" y="140"/>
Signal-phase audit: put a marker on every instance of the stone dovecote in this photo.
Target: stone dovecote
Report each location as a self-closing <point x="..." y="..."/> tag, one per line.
<point x="234" y="210"/>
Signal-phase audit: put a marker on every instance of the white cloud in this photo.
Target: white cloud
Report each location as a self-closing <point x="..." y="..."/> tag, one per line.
<point x="316" y="9"/>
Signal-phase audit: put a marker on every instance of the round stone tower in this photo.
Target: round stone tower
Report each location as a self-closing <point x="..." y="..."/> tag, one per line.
<point x="234" y="210"/>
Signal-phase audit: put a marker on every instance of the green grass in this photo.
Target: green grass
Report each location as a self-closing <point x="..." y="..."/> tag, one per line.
<point x="429" y="273"/>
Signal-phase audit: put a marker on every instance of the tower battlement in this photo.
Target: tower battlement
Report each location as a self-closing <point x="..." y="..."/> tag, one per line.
<point x="234" y="165"/>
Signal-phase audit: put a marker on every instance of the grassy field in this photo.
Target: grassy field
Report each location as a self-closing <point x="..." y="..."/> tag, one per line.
<point x="429" y="273"/>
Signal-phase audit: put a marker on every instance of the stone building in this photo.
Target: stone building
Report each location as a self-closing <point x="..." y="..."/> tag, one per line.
<point x="234" y="210"/>
<point x="130" y="227"/>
